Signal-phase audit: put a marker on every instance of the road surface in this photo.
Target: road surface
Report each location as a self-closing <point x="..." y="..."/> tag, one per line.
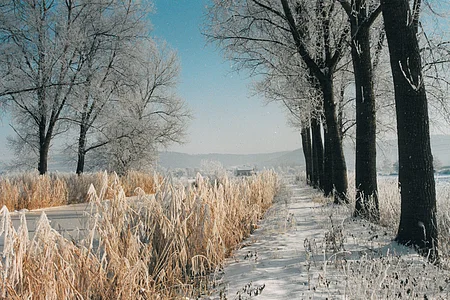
<point x="69" y="220"/>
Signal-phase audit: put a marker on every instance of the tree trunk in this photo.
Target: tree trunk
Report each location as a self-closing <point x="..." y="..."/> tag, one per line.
<point x="327" y="164"/>
<point x="366" y="163"/>
<point x="81" y="149"/>
<point x="309" y="142"/>
<point x="44" y="144"/>
<point x="306" y="145"/>
<point x="333" y="146"/>
<point x="317" y="154"/>
<point x="416" y="179"/>
<point x="43" y="157"/>
<point x="80" y="162"/>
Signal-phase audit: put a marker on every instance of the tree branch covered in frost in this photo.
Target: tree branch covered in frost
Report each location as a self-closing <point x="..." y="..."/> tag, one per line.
<point x="258" y="36"/>
<point x="46" y="53"/>
<point x="435" y="48"/>
<point x="147" y="113"/>
<point x="88" y="64"/>
<point x="288" y="84"/>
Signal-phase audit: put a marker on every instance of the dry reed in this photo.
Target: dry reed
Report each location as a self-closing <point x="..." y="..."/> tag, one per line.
<point x="152" y="247"/>
<point x="31" y="190"/>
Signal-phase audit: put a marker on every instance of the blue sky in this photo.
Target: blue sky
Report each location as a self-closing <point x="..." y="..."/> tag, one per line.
<point x="227" y="119"/>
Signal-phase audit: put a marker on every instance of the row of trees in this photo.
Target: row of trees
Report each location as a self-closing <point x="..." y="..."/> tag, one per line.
<point x="91" y="71"/>
<point x="309" y="54"/>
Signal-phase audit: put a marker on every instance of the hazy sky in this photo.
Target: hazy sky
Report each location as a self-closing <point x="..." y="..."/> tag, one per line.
<point x="227" y="119"/>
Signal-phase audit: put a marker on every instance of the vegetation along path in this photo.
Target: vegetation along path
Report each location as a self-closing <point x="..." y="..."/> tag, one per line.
<point x="308" y="248"/>
<point x="71" y="221"/>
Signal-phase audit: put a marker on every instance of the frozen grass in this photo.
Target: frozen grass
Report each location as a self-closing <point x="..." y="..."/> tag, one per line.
<point x="367" y="264"/>
<point x="377" y="268"/>
<point x="154" y="247"/>
<point x="325" y="253"/>
<point x="389" y="198"/>
<point x="358" y="260"/>
<point x="31" y="190"/>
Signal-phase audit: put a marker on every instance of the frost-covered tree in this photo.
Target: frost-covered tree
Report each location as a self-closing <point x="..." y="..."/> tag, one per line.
<point x="147" y="114"/>
<point x="418" y="226"/>
<point x="45" y="51"/>
<point x="361" y="15"/>
<point x="252" y="32"/>
<point x="110" y="49"/>
<point x="40" y="68"/>
<point x="287" y="82"/>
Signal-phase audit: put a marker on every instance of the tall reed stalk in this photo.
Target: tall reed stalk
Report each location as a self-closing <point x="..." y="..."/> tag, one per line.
<point x="157" y="246"/>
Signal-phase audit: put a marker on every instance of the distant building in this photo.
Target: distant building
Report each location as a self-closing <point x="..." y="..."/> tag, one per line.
<point x="244" y="172"/>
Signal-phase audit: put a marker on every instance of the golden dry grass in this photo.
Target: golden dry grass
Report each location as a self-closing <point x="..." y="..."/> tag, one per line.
<point x="157" y="246"/>
<point x="32" y="191"/>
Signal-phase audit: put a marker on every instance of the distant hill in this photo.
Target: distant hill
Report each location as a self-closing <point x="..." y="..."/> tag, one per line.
<point x="386" y="156"/>
<point x="172" y="160"/>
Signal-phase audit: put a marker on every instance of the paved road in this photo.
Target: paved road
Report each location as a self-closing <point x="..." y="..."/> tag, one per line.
<point x="68" y="220"/>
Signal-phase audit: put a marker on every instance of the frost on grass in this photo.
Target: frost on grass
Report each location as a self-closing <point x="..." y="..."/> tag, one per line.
<point x="327" y="254"/>
<point x="367" y="264"/>
<point x="360" y="260"/>
<point x="154" y="246"/>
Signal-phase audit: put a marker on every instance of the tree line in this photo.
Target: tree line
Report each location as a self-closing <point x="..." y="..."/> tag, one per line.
<point x="89" y="70"/>
<point x="309" y="54"/>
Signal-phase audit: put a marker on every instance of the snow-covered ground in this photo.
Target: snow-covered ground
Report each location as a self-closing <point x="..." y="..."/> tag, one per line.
<point x="307" y="249"/>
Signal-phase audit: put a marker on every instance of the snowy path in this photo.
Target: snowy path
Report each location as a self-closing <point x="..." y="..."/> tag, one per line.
<point x="275" y="257"/>
<point x="299" y="253"/>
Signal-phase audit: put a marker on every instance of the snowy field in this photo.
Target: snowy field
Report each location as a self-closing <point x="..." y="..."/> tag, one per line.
<point x="308" y="249"/>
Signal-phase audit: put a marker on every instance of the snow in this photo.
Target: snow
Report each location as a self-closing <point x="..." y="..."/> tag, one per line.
<point x="307" y="249"/>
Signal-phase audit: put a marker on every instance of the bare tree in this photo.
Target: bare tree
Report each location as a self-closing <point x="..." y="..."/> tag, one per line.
<point x="362" y="14"/>
<point x="286" y="82"/>
<point x="39" y="73"/>
<point x="252" y="32"/>
<point x="44" y="51"/>
<point x="109" y="48"/>
<point x="147" y="114"/>
<point x="418" y="225"/>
